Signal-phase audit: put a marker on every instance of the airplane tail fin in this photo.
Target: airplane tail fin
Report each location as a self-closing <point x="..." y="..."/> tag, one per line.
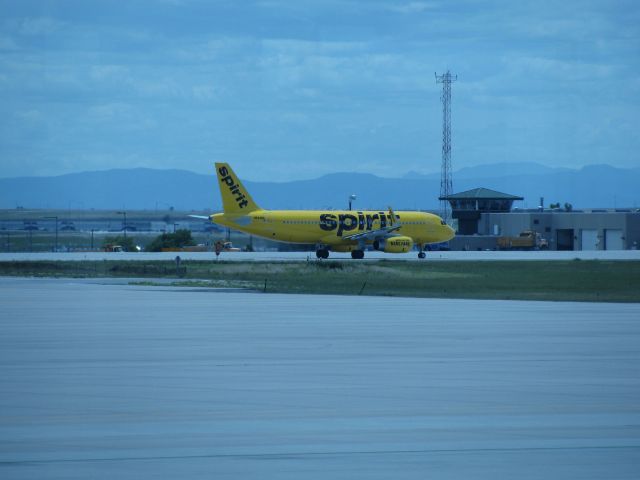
<point x="235" y="197"/>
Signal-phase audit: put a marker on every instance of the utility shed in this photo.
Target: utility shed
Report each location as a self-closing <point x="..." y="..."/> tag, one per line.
<point x="467" y="207"/>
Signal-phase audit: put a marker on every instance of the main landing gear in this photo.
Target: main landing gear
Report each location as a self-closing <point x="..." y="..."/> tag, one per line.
<point x="357" y="254"/>
<point x="421" y="253"/>
<point x="323" y="252"/>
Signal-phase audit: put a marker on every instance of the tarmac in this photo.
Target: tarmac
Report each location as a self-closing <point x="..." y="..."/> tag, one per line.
<point x="105" y="380"/>
<point x="545" y="255"/>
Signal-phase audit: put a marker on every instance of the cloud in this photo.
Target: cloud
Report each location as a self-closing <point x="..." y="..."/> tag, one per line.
<point x="356" y="69"/>
<point x="298" y="47"/>
<point x="230" y="49"/>
<point x="138" y="81"/>
<point x="307" y="92"/>
<point x="294" y="118"/>
<point x="562" y="27"/>
<point x="115" y="118"/>
<point x="109" y="111"/>
<point x="332" y="81"/>
<point x="204" y="92"/>
<point x="167" y="87"/>
<point x="7" y="43"/>
<point x="412" y="7"/>
<point x="31" y="116"/>
<point x="563" y="70"/>
<point x="106" y="72"/>
<point x="40" y="26"/>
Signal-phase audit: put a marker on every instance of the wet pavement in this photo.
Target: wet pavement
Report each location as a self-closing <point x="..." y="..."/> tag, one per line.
<point x="104" y="381"/>
<point x="543" y="255"/>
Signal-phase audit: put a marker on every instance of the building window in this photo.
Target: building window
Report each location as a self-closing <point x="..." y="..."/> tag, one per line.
<point x="536" y="221"/>
<point x="547" y="229"/>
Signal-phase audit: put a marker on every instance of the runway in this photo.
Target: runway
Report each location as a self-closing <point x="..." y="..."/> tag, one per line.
<point x="307" y="256"/>
<point x="105" y="380"/>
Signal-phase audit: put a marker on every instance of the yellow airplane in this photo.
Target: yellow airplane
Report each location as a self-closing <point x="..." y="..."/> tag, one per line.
<point x="337" y="230"/>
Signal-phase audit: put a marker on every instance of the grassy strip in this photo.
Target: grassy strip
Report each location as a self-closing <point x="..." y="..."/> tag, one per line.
<point x="599" y="281"/>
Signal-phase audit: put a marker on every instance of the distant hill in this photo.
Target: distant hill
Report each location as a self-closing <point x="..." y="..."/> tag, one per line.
<point x="140" y="188"/>
<point x="137" y="188"/>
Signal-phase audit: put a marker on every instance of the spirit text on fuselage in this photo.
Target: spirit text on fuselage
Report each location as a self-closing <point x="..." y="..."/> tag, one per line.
<point x="346" y="222"/>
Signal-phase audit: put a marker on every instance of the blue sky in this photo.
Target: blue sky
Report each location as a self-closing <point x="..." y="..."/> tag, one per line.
<point x="295" y="89"/>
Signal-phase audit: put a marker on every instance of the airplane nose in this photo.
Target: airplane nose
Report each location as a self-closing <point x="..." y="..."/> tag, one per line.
<point x="450" y="232"/>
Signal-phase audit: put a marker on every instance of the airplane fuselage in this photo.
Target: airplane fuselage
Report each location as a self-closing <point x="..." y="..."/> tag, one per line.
<point x="331" y="227"/>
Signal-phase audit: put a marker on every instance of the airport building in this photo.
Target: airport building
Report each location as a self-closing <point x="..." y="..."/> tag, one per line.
<point x="484" y="217"/>
<point x="98" y="221"/>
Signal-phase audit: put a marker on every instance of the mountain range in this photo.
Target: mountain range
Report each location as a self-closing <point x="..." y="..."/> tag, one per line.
<point x="594" y="186"/>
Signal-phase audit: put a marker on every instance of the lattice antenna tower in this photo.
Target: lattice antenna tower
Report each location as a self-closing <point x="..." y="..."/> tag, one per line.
<point x="446" y="182"/>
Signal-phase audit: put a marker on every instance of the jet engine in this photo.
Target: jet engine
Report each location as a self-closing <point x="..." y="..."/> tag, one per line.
<point x="393" y="244"/>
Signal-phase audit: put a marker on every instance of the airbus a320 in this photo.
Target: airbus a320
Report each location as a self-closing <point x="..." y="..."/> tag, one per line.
<point x="334" y="230"/>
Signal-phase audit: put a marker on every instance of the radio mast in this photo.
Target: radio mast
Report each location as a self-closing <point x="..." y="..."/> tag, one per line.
<point x="446" y="182"/>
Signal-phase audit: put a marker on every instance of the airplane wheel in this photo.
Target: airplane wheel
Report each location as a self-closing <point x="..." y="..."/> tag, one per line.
<point x="421" y="255"/>
<point x="319" y="253"/>
<point x="357" y="254"/>
<point x="322" y="253"/>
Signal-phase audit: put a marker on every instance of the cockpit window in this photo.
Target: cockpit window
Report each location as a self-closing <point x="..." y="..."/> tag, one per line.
<point x="442" y="222"/>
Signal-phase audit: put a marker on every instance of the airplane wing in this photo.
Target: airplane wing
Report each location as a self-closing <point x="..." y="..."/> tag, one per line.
<point x="379" y="233"/>
<point x="203" y="217"/>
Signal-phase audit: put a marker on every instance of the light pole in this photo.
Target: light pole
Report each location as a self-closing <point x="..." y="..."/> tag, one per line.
<point x="56" y="219"/>
<point x="125" y="222"/>
<point x="174" y="227"/>
<point x="352" y="197"/>
<point x="92" y="230"/>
